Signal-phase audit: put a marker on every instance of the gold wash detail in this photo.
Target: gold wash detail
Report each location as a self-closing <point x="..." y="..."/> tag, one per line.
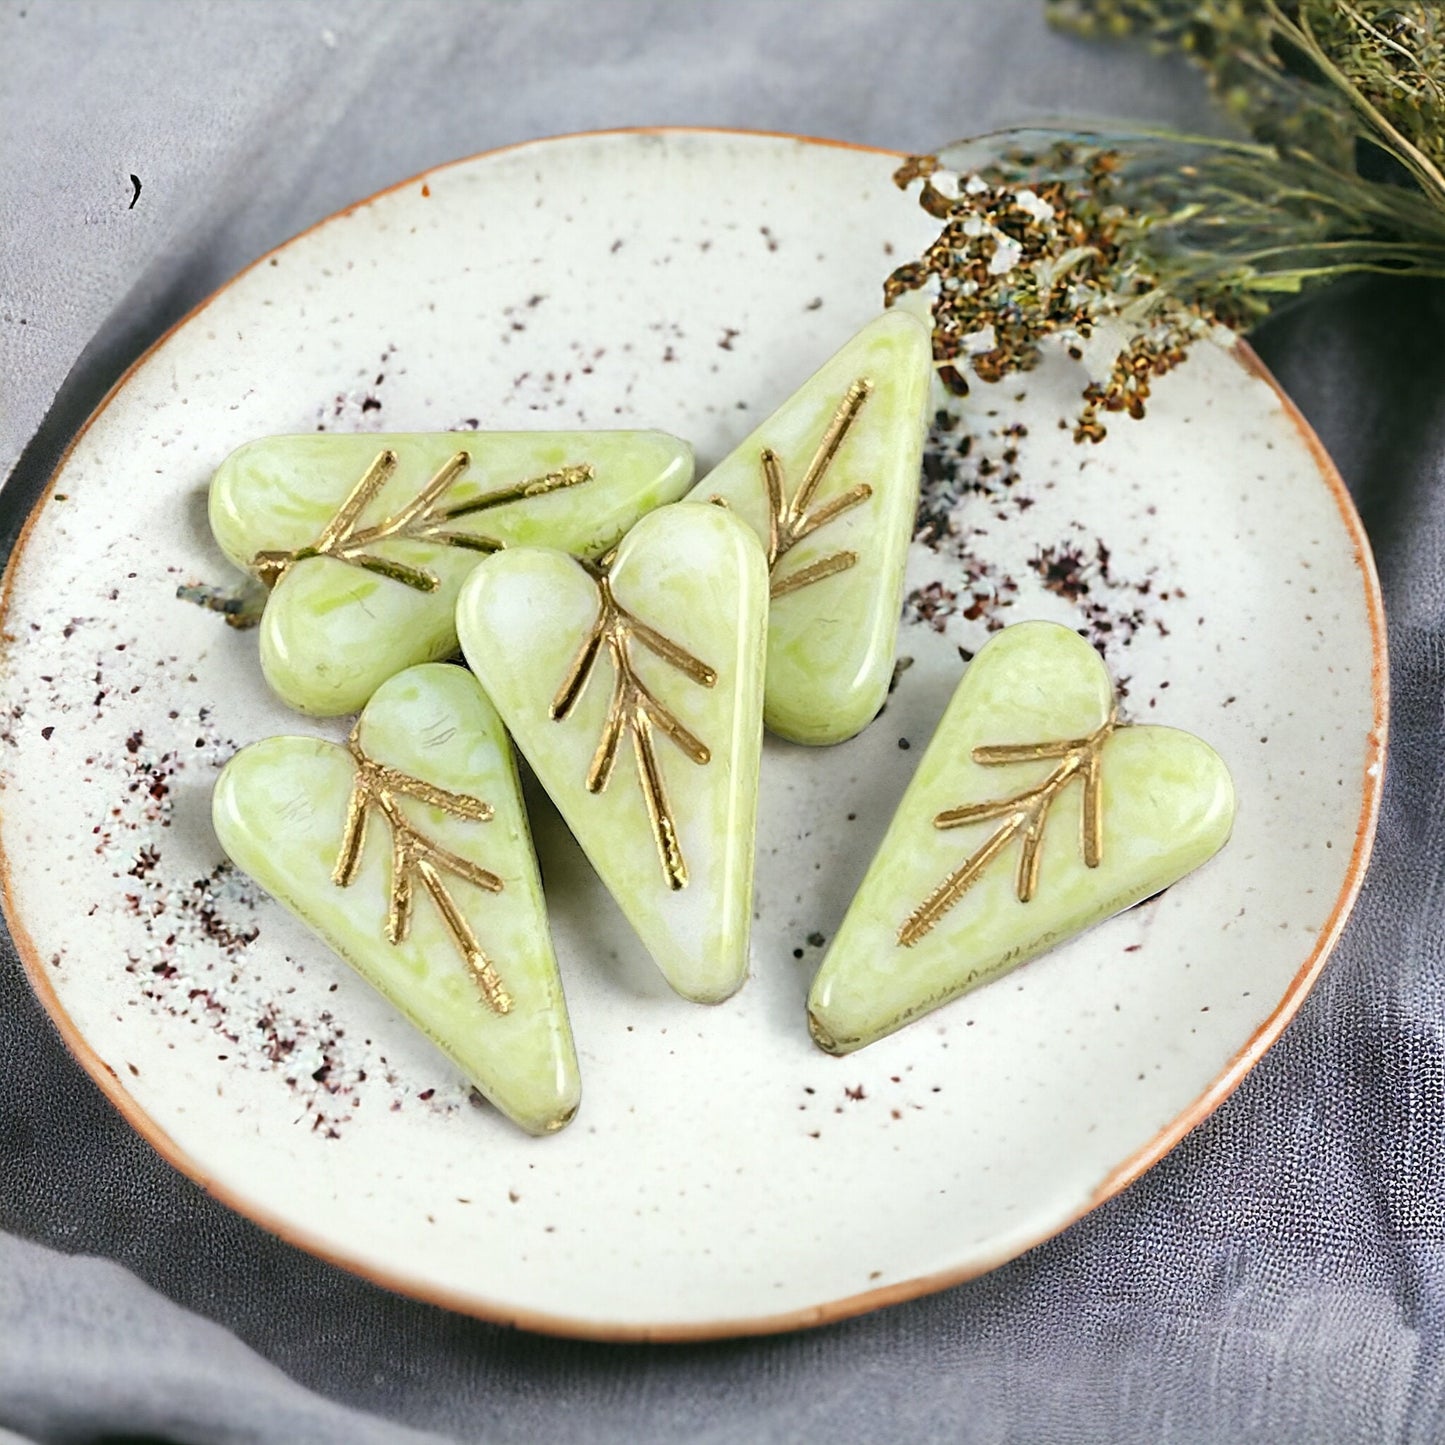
<point x="423" y="519"/>
<point x="633" y="708"/>
<point x="416" y="859"/>
<point x="1025" y="813"/>
<point x="790" y="521"/>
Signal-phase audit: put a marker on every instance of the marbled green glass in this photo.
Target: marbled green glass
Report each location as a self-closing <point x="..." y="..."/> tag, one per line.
<point x="831" y="640"/>
<point x="335" y="629"/>
<point x="689" y="590"/>
<point x="281" y="812"/>
<point x="1165" y="806"/>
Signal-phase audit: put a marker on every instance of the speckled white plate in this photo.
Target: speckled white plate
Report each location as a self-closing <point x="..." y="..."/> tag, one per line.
<point x="723" y="1176"/>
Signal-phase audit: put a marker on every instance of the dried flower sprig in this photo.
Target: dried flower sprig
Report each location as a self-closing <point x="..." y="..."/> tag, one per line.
<point x="1152" y="240"/>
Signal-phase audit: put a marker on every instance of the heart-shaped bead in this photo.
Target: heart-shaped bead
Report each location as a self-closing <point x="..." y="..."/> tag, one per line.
<point x="366" y="540"/>
<point x="635" y="692"/>
<point x="1034" y="814"/>
<point x="829" y="482"/>
<point x="409" y="852"/>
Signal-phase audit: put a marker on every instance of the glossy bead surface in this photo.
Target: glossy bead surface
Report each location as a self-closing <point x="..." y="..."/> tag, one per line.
<point x="829" y="482"/>
<point x="637" y="699"/>
<point x="433" y="751"/>
<point x="1029" y="760"/>
<point x="338" y="621"/>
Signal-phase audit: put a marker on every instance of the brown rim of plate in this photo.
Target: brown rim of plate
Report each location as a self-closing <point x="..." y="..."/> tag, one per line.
<point x="856" y="1304"/>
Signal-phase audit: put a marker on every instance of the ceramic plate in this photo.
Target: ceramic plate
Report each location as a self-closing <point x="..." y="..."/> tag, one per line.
<point x="723" y="1176"/>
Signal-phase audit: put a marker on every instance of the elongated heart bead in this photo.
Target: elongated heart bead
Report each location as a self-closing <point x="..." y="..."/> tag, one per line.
<point x="366" y="540"/>
<point x="829" y="483"/>
<point x="635" y="693"/>
<point x="1035" y="814"/>
<point x="409" y="853"/>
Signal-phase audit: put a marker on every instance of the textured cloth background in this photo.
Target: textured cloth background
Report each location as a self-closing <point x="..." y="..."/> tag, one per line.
<point x="1280" y="1277"/>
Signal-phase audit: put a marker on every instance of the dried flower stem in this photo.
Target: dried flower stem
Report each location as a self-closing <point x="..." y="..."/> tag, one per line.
<point x="1162" y="238"/>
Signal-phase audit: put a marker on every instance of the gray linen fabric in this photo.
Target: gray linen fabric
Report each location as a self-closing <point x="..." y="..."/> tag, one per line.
<point x="1280" y="1277"/>
<point x="162" y="1371"/>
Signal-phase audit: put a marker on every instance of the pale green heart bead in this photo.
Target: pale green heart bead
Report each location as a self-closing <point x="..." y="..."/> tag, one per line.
<point x="280" y="810"/>
<point x="1166" y="807"/>
<point x="333" y="631"/>
<point x="695" y="577"/>
<point x="831" y="642"/>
